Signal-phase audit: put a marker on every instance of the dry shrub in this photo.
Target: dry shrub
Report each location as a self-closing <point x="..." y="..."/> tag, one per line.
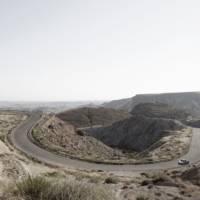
<point x="39" y="188"/>
<point x="33" y="188"/>
<point x="111" y="180"/>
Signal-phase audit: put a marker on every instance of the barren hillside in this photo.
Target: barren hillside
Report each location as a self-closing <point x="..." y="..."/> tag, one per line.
<point x="136" y="133"/>
<point x="59" y="136"/>
<point x="85" y="117"/>
<point x="187" y="101"/>
<point x="18" y="173"/>
<point x="159" y="110"/>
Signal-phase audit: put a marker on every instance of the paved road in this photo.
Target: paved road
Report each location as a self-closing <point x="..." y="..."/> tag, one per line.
<point x="20" y="140"/>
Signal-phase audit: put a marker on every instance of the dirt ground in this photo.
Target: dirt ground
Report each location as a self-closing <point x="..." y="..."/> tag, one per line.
<point x="62" y="138"/>
<point x="162" y="185"/>
<point x="13" y="165"/>
<point x="169" y="147"/>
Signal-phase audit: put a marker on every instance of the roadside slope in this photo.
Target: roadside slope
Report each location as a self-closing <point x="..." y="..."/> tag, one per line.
<point x="62" y="138"/>
<point x="136" y="133"/>
<point x="19" y="138"/>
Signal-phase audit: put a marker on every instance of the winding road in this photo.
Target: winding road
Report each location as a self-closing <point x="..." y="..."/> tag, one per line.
<point x="19" y="138"/>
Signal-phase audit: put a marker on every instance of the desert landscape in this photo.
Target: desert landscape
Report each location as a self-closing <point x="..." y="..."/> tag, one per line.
<point x="28" y="176"/>
<point x="99" y="100"/>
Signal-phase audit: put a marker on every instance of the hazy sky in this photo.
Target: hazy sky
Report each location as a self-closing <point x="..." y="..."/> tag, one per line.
<point x="98" y="49"/>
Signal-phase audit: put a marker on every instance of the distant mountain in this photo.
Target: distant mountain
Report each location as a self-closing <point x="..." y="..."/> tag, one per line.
<point x="118" y="104"/>
<point x="159" y="110"/>
<point x="87" y="116"/>
<point x="46" y="107"/>
<point x="187" y="101"/>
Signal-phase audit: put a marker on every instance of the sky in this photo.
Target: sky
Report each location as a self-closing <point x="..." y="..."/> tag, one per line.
<point x="62" y="50"/>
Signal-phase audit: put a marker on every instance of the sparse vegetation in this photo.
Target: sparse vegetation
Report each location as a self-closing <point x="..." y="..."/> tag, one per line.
<point x="160" y="178"/>
<point x="95" y="179"/>
<point x="142" y="197"/>
<point x="62" y="138"/>
<point x="154" y="138"/>
<point x="65" y="184"/>
<point x="2" y="138"/>
<point x="54" y="174"/>
<point x="111" y="180"/>
<point x="89" y="117"/>
<point x="80" y="132"/>
<point x="39" y="188"/>
<point x="35" y="132"/>
<point x="33" y="188"/>
<point x="136" y="133"/>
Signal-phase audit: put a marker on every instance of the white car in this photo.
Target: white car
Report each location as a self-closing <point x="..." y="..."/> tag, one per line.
<point x="183" y="162"/>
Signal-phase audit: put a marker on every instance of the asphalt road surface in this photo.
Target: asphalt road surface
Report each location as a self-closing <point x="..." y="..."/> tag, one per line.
<point x="20" y="140"/>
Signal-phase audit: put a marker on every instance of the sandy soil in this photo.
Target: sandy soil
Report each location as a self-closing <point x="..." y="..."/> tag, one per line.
<point x="13" y="165"/>
<point x="170" y="147"/>
<point x="161" y="185"/>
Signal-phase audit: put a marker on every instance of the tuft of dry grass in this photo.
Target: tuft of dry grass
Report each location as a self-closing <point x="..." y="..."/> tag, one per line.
<point x="78" y="191"/>
<point x="40" y="188"/>
<point x="33" y="188"/>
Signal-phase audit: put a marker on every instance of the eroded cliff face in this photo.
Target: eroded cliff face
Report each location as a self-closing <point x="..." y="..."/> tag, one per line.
<point x="137" y="132"/>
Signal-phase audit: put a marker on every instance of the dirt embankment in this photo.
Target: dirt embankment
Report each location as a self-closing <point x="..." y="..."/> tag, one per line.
<point x="11" y="168"/>
<point x="166" y="136"/>
<point x="60" y="137"/>
<point x="13" y="165"/>
<point x="136" y="133"/>
<point x="153" y="130"/>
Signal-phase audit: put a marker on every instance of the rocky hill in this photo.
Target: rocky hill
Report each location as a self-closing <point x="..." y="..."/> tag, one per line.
<point x="151" y="127"/>
<point x="86" y="116"/>
<point x="159" y="110"/>
<point x="136" y="133"/>
<point x="188" y="101"/>
<point x="60" y="137"/>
